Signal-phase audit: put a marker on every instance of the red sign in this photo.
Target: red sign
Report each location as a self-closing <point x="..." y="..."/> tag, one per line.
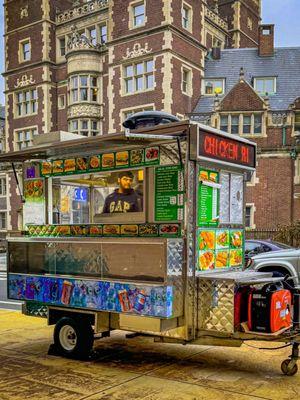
<point x="211" y="145"/>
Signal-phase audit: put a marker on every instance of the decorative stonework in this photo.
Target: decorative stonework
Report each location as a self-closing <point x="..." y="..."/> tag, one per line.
<point x="81" y="42"/>
<point x="82" y="10"/>
<point x="84" y="110"/>
<point x="24" y="81"/>
<point x="24" y="12"/>
<point x="279" y="118"/>
<point x="137" y="51"/>
<point x="215" y="18"/>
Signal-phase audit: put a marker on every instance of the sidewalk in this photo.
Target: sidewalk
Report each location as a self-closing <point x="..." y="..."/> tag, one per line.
<point x="135" y="369"/>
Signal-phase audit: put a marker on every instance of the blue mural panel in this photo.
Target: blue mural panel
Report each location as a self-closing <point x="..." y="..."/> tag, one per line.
<point x="156" y="301"/>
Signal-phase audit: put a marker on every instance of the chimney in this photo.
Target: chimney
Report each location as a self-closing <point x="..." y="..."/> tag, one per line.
<point x="216" y="53"/>
<point x="266" y="41"/>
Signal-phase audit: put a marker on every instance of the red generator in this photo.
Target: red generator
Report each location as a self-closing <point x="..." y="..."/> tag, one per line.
<point x="269" y="309"/>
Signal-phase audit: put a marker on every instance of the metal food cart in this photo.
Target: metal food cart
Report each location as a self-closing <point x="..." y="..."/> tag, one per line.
<point x="165" y="262"/>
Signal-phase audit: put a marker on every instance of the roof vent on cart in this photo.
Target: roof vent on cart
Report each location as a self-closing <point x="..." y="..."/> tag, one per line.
<point x="148" y="118"/>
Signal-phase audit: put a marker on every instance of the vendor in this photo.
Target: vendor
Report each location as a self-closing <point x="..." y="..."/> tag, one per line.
<point x="125" y="198"/>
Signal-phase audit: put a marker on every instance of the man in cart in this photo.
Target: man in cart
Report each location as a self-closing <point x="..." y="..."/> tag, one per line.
<point x="124" y="199"/>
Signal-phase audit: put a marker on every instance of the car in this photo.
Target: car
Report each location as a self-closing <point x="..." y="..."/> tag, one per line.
<point x="257" y="246"/>
<point x="284" y="262"/>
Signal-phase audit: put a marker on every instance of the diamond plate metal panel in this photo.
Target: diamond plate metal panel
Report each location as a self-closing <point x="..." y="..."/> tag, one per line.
<point x="169" y="153"/>
<point x="216" y="305"/>
<point x="175" y="257"/>
<point x="36" y="309"/>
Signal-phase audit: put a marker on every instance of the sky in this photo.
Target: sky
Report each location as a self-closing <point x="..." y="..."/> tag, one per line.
<point x="285" y="14"/>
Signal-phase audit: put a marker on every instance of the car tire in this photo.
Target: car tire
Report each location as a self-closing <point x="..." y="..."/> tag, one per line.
<point x="73" y="338"/>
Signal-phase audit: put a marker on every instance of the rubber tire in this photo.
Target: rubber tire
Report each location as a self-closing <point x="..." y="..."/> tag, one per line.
<point x="85" y="338"/>
<point x="285" y="370"/>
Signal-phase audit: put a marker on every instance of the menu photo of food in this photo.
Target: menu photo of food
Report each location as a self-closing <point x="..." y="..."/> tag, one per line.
<point x="137" y="157"/>
<point x="95" y="163"/>
<point x="236" y="239"/>
<point x="168" y="229"/>
<point x="222" y="239"/>
<point x="236" y="257"/>
<point x="58" y="167"/>
<point x="152" y="154"/>
<point x="95" y="230"/>
<point x="77" y="230"/>
<point x="108" y="160"/>
<point x="207" y="239"/>
<point x="69" y="165"/>
<point x="122" y="159"/>
<point x="208" y="176"/>
<point x="63" y="230"/>
<point x="129" y="230"/>
<point x="148" y="230"/>
<point x="34" y="189"/>
<point x="46" y="168"/>
<point x="206" y="260"/>
<point x="222" y="258"/>
<point x="81" y="164"/>
<point x="111" y="230"/>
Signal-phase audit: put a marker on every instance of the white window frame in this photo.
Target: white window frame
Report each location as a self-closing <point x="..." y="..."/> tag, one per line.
<point x="6" y="215"/>
<point x="135" y="76"/>
<point x="186" y="86"/>
<point x="252" y="212"/>
<point x="189" y="17"/>
<point x="3" y="179"/>
<point x="240" y="117"/>
<point x="265" y="78"/>
<point x="61" y="101"/>
<point x="89" y="88"/>
<point x="33" y="130"/>
<point x="24" y="104"/>
<point x="126" y="112"/>
<point x="132" y="16"/>
<point x="89" y="130"/>
<point x="100" y="35"/>
<point x="21" y="50"/>
<point x="207" y="80"/>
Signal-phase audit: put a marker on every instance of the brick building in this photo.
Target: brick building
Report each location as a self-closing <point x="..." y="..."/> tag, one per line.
<point x="83" y="66"/>
<point x="255" y="93"/>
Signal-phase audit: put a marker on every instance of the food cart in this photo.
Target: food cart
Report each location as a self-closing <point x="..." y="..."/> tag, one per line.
<point x="162" y="256"/>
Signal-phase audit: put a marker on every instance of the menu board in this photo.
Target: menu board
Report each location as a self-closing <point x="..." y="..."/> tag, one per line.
<point x="169" y="198"/>
<point x="208" y="198"/>
<point x="34" y="207"/>
<point x="107" y="161"/>
<point x="219" y="248"/>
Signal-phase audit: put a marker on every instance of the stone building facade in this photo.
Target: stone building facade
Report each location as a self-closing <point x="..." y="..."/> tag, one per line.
<point x="84" y="65"/>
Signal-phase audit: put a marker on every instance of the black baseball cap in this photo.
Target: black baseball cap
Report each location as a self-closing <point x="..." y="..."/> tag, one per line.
<point x="129" y="174"/>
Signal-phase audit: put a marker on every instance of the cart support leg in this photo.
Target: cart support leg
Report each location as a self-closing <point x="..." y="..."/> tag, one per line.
<point x="289" y="367"/>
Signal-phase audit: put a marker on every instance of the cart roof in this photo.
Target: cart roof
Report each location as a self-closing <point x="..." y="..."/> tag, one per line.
<point x="98" y="143"/>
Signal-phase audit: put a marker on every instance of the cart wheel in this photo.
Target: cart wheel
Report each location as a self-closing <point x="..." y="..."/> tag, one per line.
<point x="73" y="338"/>
<point x="288" y="369"/>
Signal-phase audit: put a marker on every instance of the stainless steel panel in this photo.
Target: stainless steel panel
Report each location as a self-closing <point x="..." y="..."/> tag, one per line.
<point x="175" y="248"/>
<point x="216" y="305"/>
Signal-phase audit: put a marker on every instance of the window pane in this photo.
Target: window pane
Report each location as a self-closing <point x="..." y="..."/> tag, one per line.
<point x="74" y="95"/>
<point x="224" y="123"/>
<point x="149" y="82"/>
<point x="75" y="125"/>
<point x="34" y="94"/>
<point x="129" y="85"/>
<point x="103" y="34"/>
<point x="83" y="94"/>
<point x="269" y="86"/>
<point x="149" y="66"/>
<point x="93" y="81"/>
<point x="74" y="82"/>
<point x="235" y="125"/>
<point x="27" y="96"/>
<point x="129" y="71"/>
<point x="19" y="97"/>
<point x="84" y="80"/>
<point x="84" y="124"/>
<point x="139" y="83"/>
<point x="257" y="123"/>
<point x="139" y="68"/>
<point x="94" y="94"/>
<point x="139" y="10"/>
<point x="94" y="125"/>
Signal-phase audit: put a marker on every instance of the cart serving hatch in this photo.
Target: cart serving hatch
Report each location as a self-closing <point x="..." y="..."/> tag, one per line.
<point x="143" y="231"/>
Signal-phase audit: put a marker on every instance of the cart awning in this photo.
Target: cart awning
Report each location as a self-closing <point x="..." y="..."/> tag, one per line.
<point x="90" y="145"/>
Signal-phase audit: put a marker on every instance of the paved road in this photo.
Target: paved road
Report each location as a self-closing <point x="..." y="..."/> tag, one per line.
<point x="4" y="302"/>
<point x="136" y="369"/>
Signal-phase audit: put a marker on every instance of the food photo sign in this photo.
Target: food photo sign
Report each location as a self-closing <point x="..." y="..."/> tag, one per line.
<point x="34" y="208"/>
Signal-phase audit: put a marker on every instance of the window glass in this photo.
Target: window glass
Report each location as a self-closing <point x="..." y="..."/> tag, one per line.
<point x="185" y="17"/>
<point x="139" y="69"/>
<point x="83" y="88"/>
<point x="93" y="35"/>
<point x="265" y="86"/>
<point x="224" y="123"/>
<point x="24" y="138"/>
<point x="248" y="217"/>
<point x="213" y="86"/>
<point x="257" y="124"/>
<point x="2" y="186"/>
<point x="2" y="220"/>
<point x="235" y="124"/>
<point x="103" y="34"/>
<point x="139" y="76"/>
<point x="26" y="54"/>
<point x="246" y="124"/>
<point x="138" y="15"/>
<point x="62" y="46"/>
<point x="26" y="102"/>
